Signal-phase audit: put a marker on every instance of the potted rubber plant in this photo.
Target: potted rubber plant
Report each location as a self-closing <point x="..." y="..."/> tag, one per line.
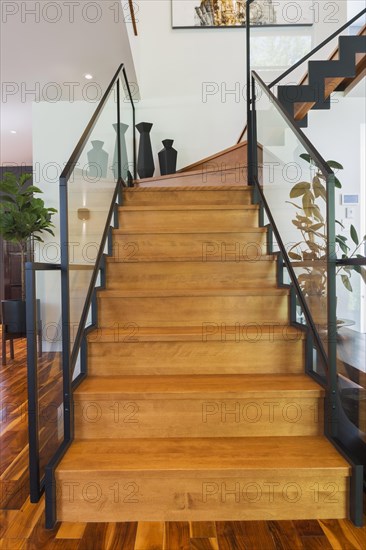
<point x="23" y="218"/>
<point x="310" y="253"/>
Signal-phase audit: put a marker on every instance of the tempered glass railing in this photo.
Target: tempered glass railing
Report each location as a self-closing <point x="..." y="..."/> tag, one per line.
<point x="295" y="187"/>
<point x="295" y="182"/>
<point x="347" y="117"/>
<point x="90" y="190"/>
<point x="106" y="155"/>
<point x="44" y="369"/>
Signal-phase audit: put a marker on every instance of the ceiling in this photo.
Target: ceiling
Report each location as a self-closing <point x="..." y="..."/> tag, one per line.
<point x="44" y="56"/>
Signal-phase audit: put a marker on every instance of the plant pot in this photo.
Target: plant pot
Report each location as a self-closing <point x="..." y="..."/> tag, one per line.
<point x="13" y="314"/>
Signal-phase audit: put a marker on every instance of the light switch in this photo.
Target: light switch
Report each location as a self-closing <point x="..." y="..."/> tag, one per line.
<point x="350" y="213"/>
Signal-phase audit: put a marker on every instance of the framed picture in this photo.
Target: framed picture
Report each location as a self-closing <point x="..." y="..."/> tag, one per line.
<point x="232" y="13"/>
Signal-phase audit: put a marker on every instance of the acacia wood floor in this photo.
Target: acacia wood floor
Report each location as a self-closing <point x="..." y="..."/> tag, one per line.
<point x="22" y="523"/>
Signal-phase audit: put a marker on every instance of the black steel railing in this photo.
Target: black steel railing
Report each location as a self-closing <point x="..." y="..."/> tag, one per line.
<point x="90" y="187"/>
<point x="314" y="263"/>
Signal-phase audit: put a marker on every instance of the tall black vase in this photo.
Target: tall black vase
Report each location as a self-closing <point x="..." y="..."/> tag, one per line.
<point x="168" y="158"/>
<point x="145" y="160"/>
<point x="124" y="157"/>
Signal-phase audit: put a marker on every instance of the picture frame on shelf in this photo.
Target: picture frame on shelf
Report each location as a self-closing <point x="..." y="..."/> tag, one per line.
<point x="201" y="14"/>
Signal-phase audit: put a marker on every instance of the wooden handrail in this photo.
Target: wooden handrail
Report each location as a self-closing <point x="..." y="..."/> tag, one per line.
<point x="133" y="17"/>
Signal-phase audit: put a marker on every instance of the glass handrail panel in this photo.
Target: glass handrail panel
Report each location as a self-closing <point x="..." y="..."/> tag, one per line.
<point x="49" y="365"/>
<point x="90" y="191"/>
<point x="294" y="180"/>
<point x="346" y="117"/>
<point x="351" y="344"/>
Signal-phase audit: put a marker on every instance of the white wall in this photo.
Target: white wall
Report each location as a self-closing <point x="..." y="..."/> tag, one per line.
<point x="173" y="65"/>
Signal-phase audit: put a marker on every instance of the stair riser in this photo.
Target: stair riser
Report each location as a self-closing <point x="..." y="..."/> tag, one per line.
<point x="190" y="275"/>
<point x="198" y="221"/>
<point x="201" y="496"/>
<point x="205" y="416"/>
<point x="230" y="357"/>
<point x="214" y="247"/>
<point x="175" y="197"/>
<point x="207" y="176"/>
<point x="192" y="311"/>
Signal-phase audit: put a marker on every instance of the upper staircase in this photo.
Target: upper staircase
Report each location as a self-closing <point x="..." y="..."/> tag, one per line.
<point x="196" y="405"/>
<point x="345" y="67"/>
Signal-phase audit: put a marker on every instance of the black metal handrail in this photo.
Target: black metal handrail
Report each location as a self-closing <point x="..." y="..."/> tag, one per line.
<point x="71" y="163"/>
<point x="351" y="261"/>
<point x="248" y="94"/>
<point x="317" y="48"/>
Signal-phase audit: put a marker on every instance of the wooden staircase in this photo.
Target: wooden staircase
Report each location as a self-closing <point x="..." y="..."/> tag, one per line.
<point x="196" y="406"/>
<point x="345" y="67"/>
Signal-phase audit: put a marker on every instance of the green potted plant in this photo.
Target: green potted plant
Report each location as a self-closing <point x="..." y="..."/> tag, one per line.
<point x="22" y="217"/>
<point x="310" y="253"/>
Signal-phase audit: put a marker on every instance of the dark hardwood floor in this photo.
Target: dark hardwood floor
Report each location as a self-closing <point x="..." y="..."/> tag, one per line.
<point x="22" y="523"/>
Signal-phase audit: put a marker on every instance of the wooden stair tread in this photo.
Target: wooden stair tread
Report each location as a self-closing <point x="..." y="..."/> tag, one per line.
<point x="194" y="334"/>
<point x="234" y="234"/>
<point x="182" y="293"/>
<point x="191" y="455"/>
<point x="263" y="258"/>
<point x="188" y="207"/>
<point x="200" y="386"/>
<point x="218" y="187"/>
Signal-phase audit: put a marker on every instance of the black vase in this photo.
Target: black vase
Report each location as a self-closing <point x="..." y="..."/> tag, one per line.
<point x="168" y="158"/>
<point x="145" y="160"/>
<point x="124" y="157"/>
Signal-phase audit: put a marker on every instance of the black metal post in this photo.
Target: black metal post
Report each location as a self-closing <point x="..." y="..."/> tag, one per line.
<point x="119" y="159"/>
<point x="32" y="376"/>
<point x="134" y="143"/>
<point x="65" y="305"/>
<point x="254" y="142"/>
<point x="332" y="308"/>
<point x="133" y="123"/>
<point x="249" y="112"/>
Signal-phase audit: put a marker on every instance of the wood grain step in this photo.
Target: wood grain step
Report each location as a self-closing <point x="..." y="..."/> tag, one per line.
<point x="188" y="195"/>
<point x="250" y="332"/>
<point x="192" y="308"/>
<point x="236" y="154"/>
<point x="198" y="406"/>
<point x="191" y="275"/>
<point x="201" y="479"/>
<point x="128" y="349"/>
<point x="144" y="358"/>
<point x="249" y="244"/>
<point x="187" y="219"/>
